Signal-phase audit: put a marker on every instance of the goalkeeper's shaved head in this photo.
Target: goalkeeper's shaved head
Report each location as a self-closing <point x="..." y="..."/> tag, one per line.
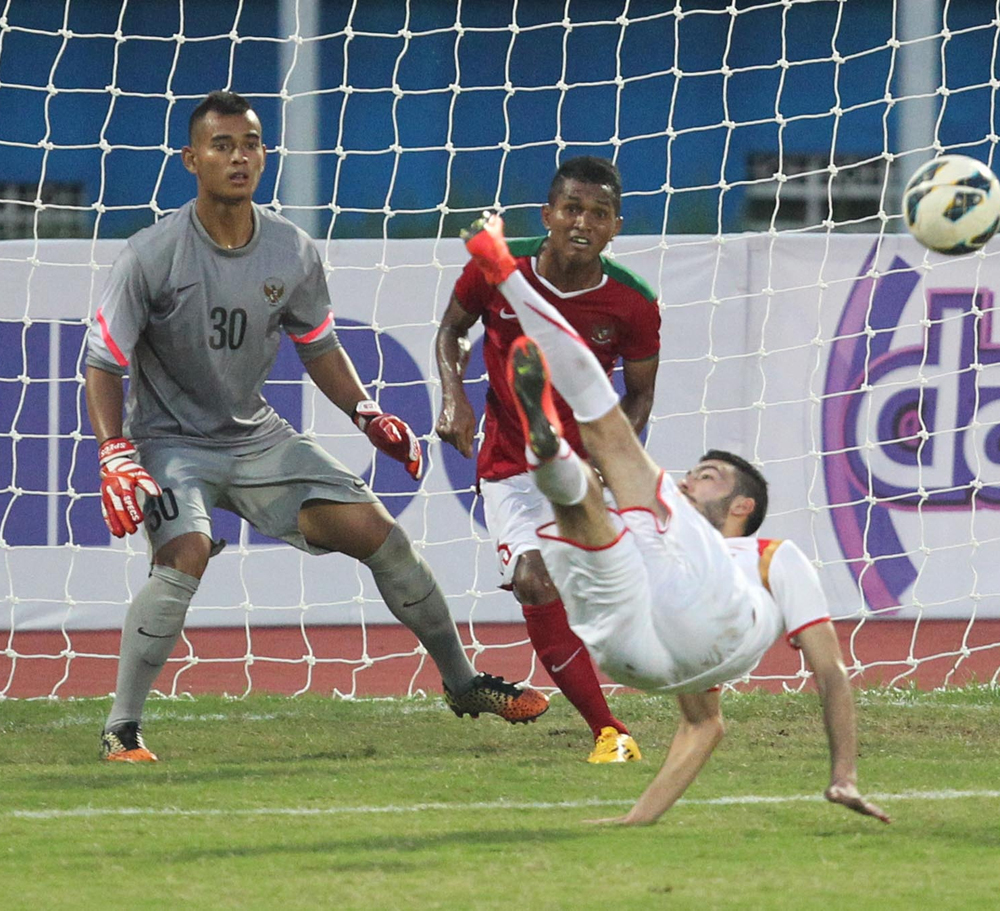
<point x="224" y="103"/>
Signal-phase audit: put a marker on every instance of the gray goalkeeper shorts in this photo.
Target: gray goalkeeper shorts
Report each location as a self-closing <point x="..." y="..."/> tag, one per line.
<point x="266" y="488"/>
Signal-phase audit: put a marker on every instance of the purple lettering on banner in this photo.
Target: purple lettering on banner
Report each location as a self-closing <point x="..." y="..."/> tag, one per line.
<point x="917" y="407"/>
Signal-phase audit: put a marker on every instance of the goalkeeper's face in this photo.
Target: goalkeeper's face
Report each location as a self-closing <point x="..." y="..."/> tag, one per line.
<point x="226" y="156"/>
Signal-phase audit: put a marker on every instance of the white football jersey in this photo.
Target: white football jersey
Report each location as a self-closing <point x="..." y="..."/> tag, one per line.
<point x="793" y="598"/>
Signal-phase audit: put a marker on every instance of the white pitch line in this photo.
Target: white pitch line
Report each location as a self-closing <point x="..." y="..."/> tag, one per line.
<point x="88" y="812"/>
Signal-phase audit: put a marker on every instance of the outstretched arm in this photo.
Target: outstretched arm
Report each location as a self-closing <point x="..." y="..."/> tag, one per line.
<point x="699" y="733"/>
<point x="457" y="422"/>
<point x="822" y="652"/>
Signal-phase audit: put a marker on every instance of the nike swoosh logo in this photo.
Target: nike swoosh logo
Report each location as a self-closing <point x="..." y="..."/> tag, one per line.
<point x="508" y="314"/>
<point x="556" y="668"/>
<point x="142" y="632"/>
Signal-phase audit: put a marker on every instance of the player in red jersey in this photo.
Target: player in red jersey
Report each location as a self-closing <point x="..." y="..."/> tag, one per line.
<point x="617" y="313"/>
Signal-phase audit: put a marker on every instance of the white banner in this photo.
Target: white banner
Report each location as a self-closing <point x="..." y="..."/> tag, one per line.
<point x="865" y="382"/>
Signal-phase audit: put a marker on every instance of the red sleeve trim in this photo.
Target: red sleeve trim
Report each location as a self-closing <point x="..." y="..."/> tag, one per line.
<point x="661" y="526"/>
<point x="314" y="334"/>
<point x="790" y="636"/>
<point x="541" y="532"/>
<point x="116" y="352"/>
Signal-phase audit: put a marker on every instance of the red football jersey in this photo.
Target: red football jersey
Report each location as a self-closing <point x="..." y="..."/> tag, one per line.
<point x="619" y="319"/>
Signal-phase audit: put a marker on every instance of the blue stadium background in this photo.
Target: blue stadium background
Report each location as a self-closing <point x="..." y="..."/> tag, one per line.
<point x="708" y="38"/>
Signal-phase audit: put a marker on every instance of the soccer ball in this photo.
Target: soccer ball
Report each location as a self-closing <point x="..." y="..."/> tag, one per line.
<point x="952" y="204"/>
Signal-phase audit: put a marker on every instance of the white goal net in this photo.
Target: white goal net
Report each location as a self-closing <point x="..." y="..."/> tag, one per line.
<point x="762" y="145"/>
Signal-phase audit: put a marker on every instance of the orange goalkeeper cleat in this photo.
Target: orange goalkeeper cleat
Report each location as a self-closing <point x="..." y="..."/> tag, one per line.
<point x="528" y="375"/>
<point x="124" y="743"/>
<point x="485" y="241"/>
<point x="495" y="696"/>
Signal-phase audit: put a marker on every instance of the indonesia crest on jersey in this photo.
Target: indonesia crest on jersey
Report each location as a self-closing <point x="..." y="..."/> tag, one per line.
<point x="619" y="318"/>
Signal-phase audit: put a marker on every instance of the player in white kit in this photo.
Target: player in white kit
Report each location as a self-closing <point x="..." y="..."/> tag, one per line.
<point x="671" y="592"/>
<point x="193" y="311"/>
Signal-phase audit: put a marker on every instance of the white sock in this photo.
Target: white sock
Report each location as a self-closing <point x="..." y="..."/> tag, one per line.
<point x="576" y="372"/>
<point x="562" y="479"/>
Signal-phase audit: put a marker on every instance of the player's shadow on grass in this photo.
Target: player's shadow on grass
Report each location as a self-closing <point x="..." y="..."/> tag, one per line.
<point x="349" y="849"/>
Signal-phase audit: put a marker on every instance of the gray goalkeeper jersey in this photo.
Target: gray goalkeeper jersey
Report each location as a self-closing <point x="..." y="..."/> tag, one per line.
<point x="197" y="327"/>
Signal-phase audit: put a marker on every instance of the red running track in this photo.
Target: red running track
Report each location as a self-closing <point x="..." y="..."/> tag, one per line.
<point x="41" y="668"/>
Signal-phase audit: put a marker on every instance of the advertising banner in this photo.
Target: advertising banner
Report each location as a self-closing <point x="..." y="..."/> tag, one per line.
<point x="860" y="372"/>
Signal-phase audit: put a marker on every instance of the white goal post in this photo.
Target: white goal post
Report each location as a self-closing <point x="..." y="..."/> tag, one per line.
<point x="801" y="328"/>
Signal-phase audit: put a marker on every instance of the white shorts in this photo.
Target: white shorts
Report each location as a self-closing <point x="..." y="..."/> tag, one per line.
<point x="663" y="607"/>
<point x="515" y="509"/>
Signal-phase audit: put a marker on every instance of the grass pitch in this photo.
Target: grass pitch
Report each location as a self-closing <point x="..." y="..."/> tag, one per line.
<point x="271" y="802"/>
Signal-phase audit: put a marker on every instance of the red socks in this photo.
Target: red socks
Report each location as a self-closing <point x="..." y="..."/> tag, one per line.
<point x="567" y="660"/>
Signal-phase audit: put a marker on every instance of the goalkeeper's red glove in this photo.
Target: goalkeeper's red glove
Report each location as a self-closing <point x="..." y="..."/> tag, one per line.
<point x="390" y="435"/>
<point x="120" y="477"/>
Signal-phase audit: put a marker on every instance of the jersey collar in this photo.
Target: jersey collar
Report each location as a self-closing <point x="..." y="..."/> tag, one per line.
<point x="565" y="295"/>
<point x="249" y="247"/>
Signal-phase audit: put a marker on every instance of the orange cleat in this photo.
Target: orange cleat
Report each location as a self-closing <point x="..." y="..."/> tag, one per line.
<point x="495" y="696"/>
<point x="528" y="375"/>
<point x="124" y="743"/>
<point x="485" y="241"/>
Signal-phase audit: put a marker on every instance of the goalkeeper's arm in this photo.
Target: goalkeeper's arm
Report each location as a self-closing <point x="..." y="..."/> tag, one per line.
<point x="121" y="476"/>
<point x="334" y="374"/>
<point x="105" y="399"/>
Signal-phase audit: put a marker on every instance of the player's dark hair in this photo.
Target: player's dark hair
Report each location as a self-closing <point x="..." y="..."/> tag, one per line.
<point x="225" y="103"/>
<point x="588" y="169"/>
<point x="749" y="483"/>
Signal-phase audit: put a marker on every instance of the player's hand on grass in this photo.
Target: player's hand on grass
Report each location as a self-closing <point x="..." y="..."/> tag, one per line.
<point x="456" y="425"/>
<point x="627" y="820"/>
<point x="846" y="794"/>
<point x="391" y="435"/>
<point x="120" y="478"/>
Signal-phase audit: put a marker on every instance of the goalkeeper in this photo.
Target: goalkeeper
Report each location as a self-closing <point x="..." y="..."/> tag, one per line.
<point x="193" y="310"/>
<point x="616" y="312"/>
<point x="673" y="592"/>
